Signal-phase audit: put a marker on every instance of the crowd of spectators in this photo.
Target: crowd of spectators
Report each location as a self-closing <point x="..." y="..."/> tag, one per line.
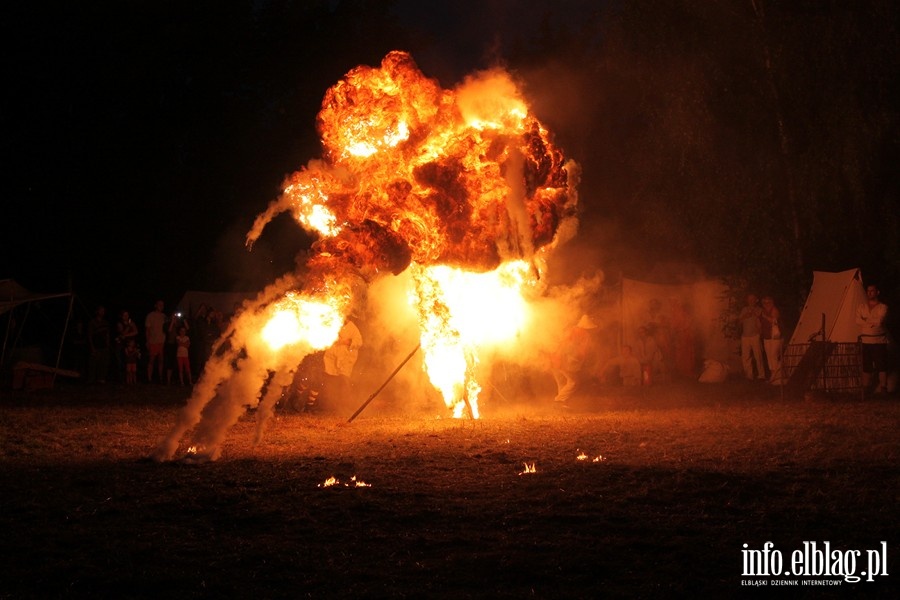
<point x="165" y="347"/>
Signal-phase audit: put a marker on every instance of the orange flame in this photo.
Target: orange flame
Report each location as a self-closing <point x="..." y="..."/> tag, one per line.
<point x="296" y="318"/>
<point x="461" y="313"/>
<point x="463" y="186"/>
<point x="529" y="469"/>
<point x="354" y="482"/>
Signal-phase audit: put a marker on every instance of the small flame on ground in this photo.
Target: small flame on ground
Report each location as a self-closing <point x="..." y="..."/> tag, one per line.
<point x="354" y="482"/>
<point x="529" y="469"/>
<point x="596" y="459"/>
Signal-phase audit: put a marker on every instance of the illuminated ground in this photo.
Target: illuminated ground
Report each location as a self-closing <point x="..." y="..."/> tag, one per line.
<point x="683" y="477"/>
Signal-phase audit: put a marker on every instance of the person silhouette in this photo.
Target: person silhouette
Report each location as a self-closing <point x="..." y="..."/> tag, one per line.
<point x="155" y="338"/>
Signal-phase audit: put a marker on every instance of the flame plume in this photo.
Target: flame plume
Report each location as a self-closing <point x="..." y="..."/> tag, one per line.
<point x="464" y="188"/>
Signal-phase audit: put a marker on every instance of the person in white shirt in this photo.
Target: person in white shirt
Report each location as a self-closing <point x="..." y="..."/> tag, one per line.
<point x="751" y="342"/>
<point x="870" y="316"/>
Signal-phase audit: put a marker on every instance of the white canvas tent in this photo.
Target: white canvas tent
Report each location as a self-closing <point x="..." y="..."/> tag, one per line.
<point x="832" y="300"/>
<point x="824" y="349"/>
<point x="13" y="295"/>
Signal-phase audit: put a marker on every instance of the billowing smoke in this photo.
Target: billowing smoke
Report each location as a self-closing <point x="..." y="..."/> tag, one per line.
<point x="421" y="192"/>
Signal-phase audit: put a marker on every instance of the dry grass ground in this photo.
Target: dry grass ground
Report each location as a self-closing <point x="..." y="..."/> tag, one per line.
<point x="686" y="475"/>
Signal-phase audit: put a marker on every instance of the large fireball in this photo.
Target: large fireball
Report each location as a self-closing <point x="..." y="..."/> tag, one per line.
<point x="461" y="189"/>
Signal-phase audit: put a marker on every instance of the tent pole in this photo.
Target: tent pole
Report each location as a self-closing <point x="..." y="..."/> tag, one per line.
<point x="62" y="340"/>
<point x="9" y="326"/>
<point x="9" y="320"/>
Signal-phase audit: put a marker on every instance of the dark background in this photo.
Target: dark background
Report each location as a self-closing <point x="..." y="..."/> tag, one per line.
<point x="751" y="141"/>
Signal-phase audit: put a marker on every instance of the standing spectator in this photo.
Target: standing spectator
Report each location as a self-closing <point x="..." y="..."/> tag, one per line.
<point x="770" y="329"/>
<point x="132" y="355"/>
<point x="182" y="355"/>
<point x="126" y="330"/>
<point x="659" y="325"/>
<point x="870" y="316"/>
<point x="154" y="329"/>
<point x="751" y="348"/>
<point x="683" y="340"/>
<point x="98" y="345"/>
<point x="649" y="354"/>
<point x="170" y="352"/>
<point x="215" y="326"/>
<point x="200" y="348"/>
<point x="574" y="359"/>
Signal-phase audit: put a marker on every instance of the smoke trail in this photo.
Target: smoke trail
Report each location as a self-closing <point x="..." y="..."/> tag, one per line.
<point x="234" y="377"/>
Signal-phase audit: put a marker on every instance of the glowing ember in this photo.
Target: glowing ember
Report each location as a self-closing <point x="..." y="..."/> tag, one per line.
<point x="354" y="482"/>
<point x="583" y="456"/>
<point x="463" y="188"/>
<point x="529" y="469"/>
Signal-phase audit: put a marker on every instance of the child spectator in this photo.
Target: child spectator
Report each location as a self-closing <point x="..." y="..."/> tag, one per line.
<point x="132" y="354"/>
<point x="182" y="355"/>
<point x="126" y="329"/>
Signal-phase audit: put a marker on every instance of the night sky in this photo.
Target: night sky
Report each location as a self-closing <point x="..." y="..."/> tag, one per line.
<point x="143" y="137"/>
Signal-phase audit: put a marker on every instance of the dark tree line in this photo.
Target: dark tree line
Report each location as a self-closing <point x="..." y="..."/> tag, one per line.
<point x="756" y="139"/>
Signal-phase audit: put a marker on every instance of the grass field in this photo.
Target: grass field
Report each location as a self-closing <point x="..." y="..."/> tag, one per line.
<point x="649" y="494"/>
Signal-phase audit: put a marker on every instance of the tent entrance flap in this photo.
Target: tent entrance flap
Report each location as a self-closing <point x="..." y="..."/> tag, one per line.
<point x="824" y="352"/>
<point x="833" y="299"/>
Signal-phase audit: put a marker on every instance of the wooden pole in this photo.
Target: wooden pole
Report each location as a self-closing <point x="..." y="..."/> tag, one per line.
<point x="376" y="392"/>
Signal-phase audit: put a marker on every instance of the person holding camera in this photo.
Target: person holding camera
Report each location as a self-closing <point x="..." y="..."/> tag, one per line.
<point x="182" y="354"/>
<point x="176" y="323"/>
